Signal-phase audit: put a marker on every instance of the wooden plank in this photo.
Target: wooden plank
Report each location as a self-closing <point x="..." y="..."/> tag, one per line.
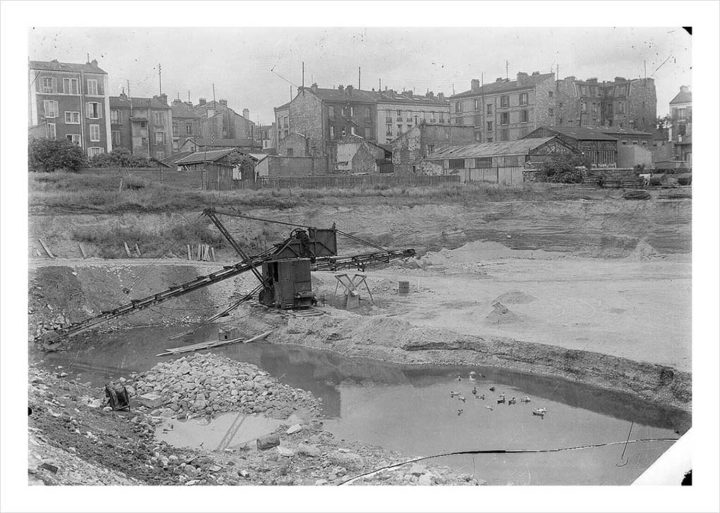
<point x="127" y="250"/>
<point x="188" y="251"/>
<point x="47" y="250"/>
<point x="211" y="344"/>
<point x="212" y="253"/>
<point x="82" y="251"/>
<point x="137" y="250"/>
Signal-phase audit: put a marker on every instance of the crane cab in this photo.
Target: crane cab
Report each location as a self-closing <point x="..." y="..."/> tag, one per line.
<point x="287" y="284"/>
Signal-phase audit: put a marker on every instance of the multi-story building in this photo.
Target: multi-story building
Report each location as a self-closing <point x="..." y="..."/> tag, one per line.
<point x="506" y="110"/>
<point x="185" y="122"/>
<point x="681" y="131"/>
<point x="621" y="103"/>
<point x="70" y="101"/>
<point x="218" y="121"/>
<point x="142" y="125"/>
<point x="413" y="146"/>
<point x="313" y="122"/>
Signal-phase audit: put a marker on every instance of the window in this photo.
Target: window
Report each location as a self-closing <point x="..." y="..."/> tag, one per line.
<point x="504" y="101"/>
<point x="478" y="136"/>
<point x="73" y="138"/>
<point x="332" y="132"/>
<point x="116" y="138"/>
<point x="289" y="152"/>
<point x="399" y="114"/>
<point x="92" y="86"/>
<point x="583" y="107"/>
<point x="352" y="111"/>
<point x="524" y="116"/>
<point x="399" y="127"/>
<point x="621" y="107"/>
<point x="331" y="111"/>
<point x="93" y="110"/>
<point x="430" y="148"/>
<point x="504" y="134"/>
<point x="489" y="126"/>
<point x="442" y="118"/>
<point x="505" y="118"/>
<point x="51" y="133"/>
<point x="489" y="138"/>
<point x="456" y="164"/>
<point x="388" y="129"/>
<point x="95" y="133"/>
<point x="188" y="128"/>
<point x="72" y="117"/>
<point x="70" y="86"/>
<point x="50" y="107"/>
<point x="159" y="118"/>
<point x="159" y="137"/>
<point x="551" y="112"/>
<point x="459" y="121"/>
<point x="682" y="129"/>
<point x="94" y="151"/>
<point x="477" y="104"/>
<point x="458" y="107"/>
<point x="416" y="119"/>
<point x="47" y="85"/>
<point x="483" y="162"/>
<point x="550" y="94"/>
<point x="159" y="154"/>
<point x="523" y="98"/>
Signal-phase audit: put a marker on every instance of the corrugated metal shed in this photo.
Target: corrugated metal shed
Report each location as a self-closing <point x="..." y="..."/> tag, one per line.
<point x="204" y="156"/>
<point x="493" y="149"/>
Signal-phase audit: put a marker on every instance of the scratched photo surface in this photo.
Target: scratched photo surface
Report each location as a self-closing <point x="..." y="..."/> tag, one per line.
<point x="359" y="256"/>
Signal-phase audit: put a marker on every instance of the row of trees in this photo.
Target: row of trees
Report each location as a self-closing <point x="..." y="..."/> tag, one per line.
<point x="47" y="156"/>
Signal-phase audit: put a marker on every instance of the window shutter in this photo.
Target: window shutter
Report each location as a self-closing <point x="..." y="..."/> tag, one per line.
<point x="100" y="110"/>
<point x="87" y="110"/>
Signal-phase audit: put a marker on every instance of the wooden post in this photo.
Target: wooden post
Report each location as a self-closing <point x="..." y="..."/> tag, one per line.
<point x="198" y="252"/>
<point x="212" y="253"/>
<point x="137" y="250"/>
<point x="188" y="249"/>
<point x="121" y="184"/>
<point x="127" y="250"/>
<point x="82" y="251"/>
<point x="47" y="250"/>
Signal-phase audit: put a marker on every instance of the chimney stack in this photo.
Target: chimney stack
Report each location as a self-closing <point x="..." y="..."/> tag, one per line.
<point x="684" y="89"/>
<point x="441" y="96"/>
<point x="475" y="85"/>
<point x="314" y="88"/>
<point x="223" y="103"/>
<point x="246" y="113"/>
<point x="349" y="90"/>
<point x="202" y="101"/>
<point x="499" y="79"/>
<point x="162" y="98"/>
<point x="522" y="77"/>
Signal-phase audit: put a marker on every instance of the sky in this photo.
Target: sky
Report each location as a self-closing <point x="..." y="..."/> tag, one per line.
<point x="255" y="68"/>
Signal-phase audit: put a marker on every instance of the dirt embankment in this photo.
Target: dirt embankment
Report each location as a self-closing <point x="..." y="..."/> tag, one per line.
<point x="74" y="440"/>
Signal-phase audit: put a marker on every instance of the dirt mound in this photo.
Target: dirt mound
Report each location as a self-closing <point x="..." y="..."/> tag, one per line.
<point x="501" y="315"/>
<point x="515" y="297"/>
<point x="207" y="384"/>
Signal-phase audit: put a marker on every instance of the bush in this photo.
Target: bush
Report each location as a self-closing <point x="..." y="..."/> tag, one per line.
<point x="49" y="155"/>
<point x="120" y="157"/>
<point x="564" y="168"/>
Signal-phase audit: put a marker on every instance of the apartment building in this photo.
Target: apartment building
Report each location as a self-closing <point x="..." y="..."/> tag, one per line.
<point x="142" y="125"/>
<point x="69" y="100"/>
<point x="681" y="131"/>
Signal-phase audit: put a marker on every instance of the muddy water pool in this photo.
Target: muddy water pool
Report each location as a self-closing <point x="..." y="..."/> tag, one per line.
<point x="410" y="409"/>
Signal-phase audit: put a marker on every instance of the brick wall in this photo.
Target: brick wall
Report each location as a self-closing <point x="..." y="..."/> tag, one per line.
<point x="306" y="118"/>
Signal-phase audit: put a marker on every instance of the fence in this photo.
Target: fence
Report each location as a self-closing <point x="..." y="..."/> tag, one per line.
<point x="348" y="181"/>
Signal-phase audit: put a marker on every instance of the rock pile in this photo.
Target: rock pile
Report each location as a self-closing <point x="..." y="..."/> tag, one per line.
<point x="208" y="384"/>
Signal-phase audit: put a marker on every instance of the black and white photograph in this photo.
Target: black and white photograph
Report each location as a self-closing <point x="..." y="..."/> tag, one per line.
<point x="307" y="246"/>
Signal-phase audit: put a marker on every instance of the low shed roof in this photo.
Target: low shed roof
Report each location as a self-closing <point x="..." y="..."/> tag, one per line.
<point x="493" y="149"/>
<point x="204" y="156"/>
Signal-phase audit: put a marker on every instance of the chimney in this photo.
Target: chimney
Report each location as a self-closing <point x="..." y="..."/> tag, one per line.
<point x="592" y="80"/>
<point x="246" y="113"/>
<point x="430" y="94"/>
<point x="475" y="85"/>
<point x="522" y="77"/>
<point x="499" y="79"/>
<point x="535" y="73"/>
<point x="162" y="98"/>
<point x="349" y="90"/>
<point x="684" y="89"/>
<point x="441" y="96"/>
<point x="223" y="103"/>
<point x="202" y="101"/>
<point x="314" y="88"/>
<point x="619" y="79"/>
<point x="94" y="62"/>
<point x="571" y="78"/>
<point x="341" y="87"/>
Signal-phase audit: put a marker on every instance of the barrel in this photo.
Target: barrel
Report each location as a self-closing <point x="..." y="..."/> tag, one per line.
<point x="403" y="287"/>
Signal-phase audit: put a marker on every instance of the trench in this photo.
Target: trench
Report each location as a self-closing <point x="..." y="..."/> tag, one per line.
<point x="410" y="409"/>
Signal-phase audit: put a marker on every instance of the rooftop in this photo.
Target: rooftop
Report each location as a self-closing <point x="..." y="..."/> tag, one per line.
<point x="579" y="133"/>
<point x="182" y="109"/>
<point x="55" y="65"/>
<point x="354" y="95"/>
<point x="124" y="101"/>
<point x="616" y="131"/>
<point x="204" y="156"/>
<point x="684" y="96"/>
<point x="493" y="149"/>
<point x="505" y="85"/>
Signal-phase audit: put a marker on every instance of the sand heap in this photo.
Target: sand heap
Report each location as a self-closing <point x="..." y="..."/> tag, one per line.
<point x="207" y="384"/>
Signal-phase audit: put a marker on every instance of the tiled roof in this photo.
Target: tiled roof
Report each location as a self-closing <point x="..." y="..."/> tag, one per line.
<point x="579" y="133"/>
<point x="617" y="131"/>
<point x="682" y="97"/>
<point x="54" y="65"/>
<point x="172" y="159"/>
<point x="183" y="110"/>
<point x="361" y="96"/>
<point x="139" y="103"/>
<point x="493" y="149"/>
<point x="204" y="156"/>
<point x="505" y="86"/>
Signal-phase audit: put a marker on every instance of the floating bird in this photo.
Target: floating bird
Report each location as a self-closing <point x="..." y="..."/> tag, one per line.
<point x="540" y="412"/>
<point x="512" y="401"/>
<point x="462" y="398"/>
<point x="492" y="389"/>
<point x="460" y="412"/>
<point x="502" y="399"/>
<point x="474" y="391"/>
<point x="489" y="408"/>
<point x="525" y="399"/>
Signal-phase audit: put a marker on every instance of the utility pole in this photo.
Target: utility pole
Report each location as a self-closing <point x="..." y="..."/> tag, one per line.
<point x="303" y="78"/>
<point x="188" y="96"/>
<point x="379" y="84"/>
<point x="358" y="78"/>
<point x="213" y="94"/>
<point x="507" y="68"/>
<point x="160" y="76"/>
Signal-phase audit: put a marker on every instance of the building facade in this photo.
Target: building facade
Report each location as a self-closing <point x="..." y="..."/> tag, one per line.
<point x="601" y="149"/>
<point x="317" y="118"/>
<point x="142" y="125"/>
<point x="219" y="121"/>
<point x="70" y="101"/>
<point x="506" y="110"/>
<point x="413" y="146"/>
<point x="681" y="131"/>
<point x="620" y="103"/>
<point x="185" y="122"/>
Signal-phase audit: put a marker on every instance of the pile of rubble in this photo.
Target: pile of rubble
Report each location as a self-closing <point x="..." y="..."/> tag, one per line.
<point x="208" y="384"/>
